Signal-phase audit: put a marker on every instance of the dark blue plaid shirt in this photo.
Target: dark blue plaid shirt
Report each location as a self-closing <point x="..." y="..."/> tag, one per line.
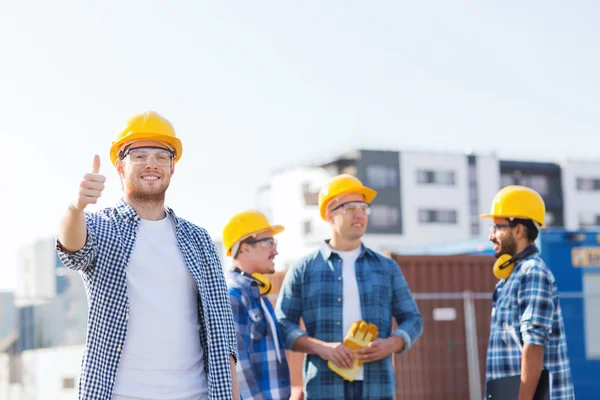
<point x="260" y="375"/>
<point x="111" y="234"/>
<point x="312" y="290"/>
<point x="527" y="304"/>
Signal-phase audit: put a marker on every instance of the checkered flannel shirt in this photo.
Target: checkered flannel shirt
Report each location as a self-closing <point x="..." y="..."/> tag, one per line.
<point x="260" y="375"/>
<point x="527" y="303"/>
<point x="313" y="290"/>
<point x="102" y="263"/>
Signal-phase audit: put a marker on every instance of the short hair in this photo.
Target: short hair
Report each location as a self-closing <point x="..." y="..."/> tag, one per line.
<point x="530" y="227"/>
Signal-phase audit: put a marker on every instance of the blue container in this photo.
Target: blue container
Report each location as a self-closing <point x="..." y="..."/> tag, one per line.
<point x="574" y="258"/>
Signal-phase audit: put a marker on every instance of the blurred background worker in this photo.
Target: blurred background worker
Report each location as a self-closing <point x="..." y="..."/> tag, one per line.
<point x="341" y="283"/>
<point x="156" y="290"/>
<point x="262" y="368"/>
<point x="527" y="334"/>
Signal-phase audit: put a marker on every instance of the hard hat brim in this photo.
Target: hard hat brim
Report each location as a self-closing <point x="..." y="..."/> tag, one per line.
<point x="492" y="216"/>
<point x="275" y="229"/>
<point x="173" y="141"/>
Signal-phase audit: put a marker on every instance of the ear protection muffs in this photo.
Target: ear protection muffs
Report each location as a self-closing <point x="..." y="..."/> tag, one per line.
<point x="264" y="285"/>
<point x="505" y="264"/>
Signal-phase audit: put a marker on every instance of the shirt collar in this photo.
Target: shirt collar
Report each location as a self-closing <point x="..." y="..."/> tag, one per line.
<point x="327" y="251"/>
<point x="128" y="213"/>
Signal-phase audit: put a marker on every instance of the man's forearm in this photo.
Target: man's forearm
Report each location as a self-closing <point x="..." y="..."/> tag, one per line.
<point x="234" y="381"/>
<point x="532" y="363"/>
<point x="308" y="345"/>
<point x="72" y="232"/>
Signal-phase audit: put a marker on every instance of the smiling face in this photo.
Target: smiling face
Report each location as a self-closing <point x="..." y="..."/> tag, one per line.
<point x="348" y="216"/>
<point x="146" y="171"/>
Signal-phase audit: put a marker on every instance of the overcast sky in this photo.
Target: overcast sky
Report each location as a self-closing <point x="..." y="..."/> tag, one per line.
<point x="286" y="78"/>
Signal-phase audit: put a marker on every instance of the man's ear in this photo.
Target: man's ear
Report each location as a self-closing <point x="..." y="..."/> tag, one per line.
<point x="521" y="231"/>
<point x="120" y="167"/>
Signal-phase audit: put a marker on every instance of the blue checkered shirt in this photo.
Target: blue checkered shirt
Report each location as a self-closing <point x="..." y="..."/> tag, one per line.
<point x="260" y="375"/>
<point x="102" y="262"/>
<point x="527" y="304"/>
<point x="313" y="290"/>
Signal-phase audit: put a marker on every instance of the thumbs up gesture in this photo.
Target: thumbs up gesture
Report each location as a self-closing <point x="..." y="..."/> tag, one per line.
<point x="91" y="187"/>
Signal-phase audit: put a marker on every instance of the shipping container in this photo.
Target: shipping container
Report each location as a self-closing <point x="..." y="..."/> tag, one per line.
<point x="574" y="258"/>
<point x="437" y="366"/>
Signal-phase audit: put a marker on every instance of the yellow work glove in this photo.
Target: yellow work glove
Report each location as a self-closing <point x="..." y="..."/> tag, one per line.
<point x="359" y="336"/>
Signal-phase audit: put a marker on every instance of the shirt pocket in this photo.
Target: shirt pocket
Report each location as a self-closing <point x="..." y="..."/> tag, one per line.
<point x="258" y="324"/>
<point x="507" y="319"/>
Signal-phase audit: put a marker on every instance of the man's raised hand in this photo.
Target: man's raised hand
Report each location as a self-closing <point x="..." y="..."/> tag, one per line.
<point x="91" y="187"/>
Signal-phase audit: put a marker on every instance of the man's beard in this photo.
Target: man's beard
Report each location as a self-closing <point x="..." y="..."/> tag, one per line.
<point x="509" y="246"/>
<point x="139" y="195"/>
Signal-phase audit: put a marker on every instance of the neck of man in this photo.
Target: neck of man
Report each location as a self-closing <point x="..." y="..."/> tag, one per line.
<point x="245" y="268"/>
<point x="521" y="246"/>
<point x="148" y="210"/>
<point x="341" y="243"/>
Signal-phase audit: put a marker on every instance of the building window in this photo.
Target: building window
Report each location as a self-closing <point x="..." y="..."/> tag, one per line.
<point x="437" y="216"/>
<point x="381" y="176"/>
<point x="436" y="177"/>
<point x="506" y="180"/>
<point x="68" y="383"/>
<point x="539" y="183"/>
<point x="311" y="198"/>
<point x="383" y="216"/>
<point x="588" y="220"/>
<point x="588" y="184"/>
<point x="307" y="227"/>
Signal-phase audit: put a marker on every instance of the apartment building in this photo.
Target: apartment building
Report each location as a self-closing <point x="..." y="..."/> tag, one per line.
<point x="422" y="198"/>
<point x="580" y="181"/>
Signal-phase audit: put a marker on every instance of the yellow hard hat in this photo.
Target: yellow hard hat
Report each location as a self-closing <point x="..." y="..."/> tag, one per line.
<point x="244" y="224"/>
<point x="342" y="184"/>
<point x="518" y="202"/>
<point x="147" y="125"/>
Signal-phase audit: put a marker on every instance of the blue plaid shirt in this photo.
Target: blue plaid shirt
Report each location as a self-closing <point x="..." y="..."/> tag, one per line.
<point x="312" y="290"/>
<point x="527" y="304"/>
<point x="260" y="375"/>
<point x="102" y="262"/>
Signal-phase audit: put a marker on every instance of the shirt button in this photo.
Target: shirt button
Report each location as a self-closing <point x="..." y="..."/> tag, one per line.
<point x="338" y="323"/>
<point x="118" y="349"/>
<point x="339" y="299"/>
<point x="132" y="237"/>
<point x="126" y="317"/>
<point x="339" y="278"/>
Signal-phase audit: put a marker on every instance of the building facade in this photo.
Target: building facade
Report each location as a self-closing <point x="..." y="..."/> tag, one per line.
<point x="425" y="197"/>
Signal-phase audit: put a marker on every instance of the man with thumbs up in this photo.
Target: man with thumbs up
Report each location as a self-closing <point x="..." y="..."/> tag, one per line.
<point x="156" y="289"/>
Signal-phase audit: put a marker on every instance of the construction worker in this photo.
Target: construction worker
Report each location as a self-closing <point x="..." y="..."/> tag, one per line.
<point x="335" y="289"/>
<point x="262" y="368"/>
<point x="527" y="334"/>
<point x="160" y="323"/>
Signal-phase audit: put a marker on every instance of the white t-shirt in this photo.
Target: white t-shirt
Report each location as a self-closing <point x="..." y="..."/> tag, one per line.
<point x="351" y="295"/>
<point x="162" y="354"/>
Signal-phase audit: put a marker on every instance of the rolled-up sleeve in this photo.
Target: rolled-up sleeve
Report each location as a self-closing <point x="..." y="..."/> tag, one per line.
<point x="536" y="305"/>
<point x="288" y="308"/>
<point x="84" y="258"/>
<point x="405" y="310"/>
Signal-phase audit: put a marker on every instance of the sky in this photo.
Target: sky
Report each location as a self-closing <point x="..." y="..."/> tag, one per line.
<point x="255" y="86"/>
